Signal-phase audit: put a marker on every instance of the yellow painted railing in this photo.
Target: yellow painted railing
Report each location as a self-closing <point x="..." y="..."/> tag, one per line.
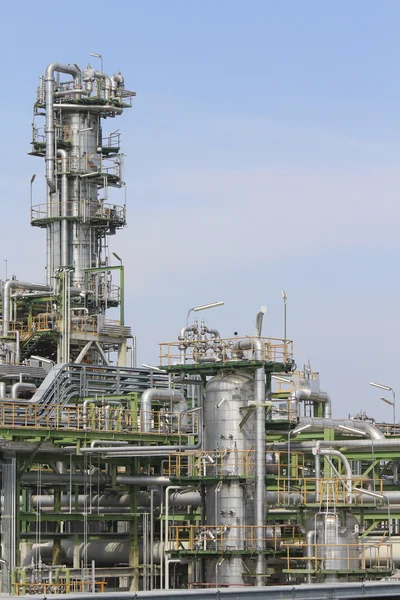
<point x="105" y="419"/>
<point x="274" y="350"/>
<point x="339" y="556"/>
<point x="226" y="537"/>
<point x="226" y="462"/>
<point x="74" y="586"/>
<point x="327" y="490"/>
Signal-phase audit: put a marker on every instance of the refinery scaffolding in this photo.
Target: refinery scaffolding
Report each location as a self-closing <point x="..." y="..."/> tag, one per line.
<point x="222" y="466"/>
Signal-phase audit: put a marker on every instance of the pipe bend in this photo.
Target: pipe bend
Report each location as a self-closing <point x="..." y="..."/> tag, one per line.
<point x="62" y="68"/>
<point x="22" y="387"/>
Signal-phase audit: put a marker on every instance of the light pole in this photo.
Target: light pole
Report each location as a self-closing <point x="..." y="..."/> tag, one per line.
<point x="122" y="289"/>
<point x="32" y="180"/>
<point x="98" y="56"/>
<point x="284" y="298"/>
<point x="202" y="307"/>
<point x="388" y="389"/>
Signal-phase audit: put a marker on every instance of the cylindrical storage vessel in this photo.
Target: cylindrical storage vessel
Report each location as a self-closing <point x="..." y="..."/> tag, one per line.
<point x="336" y="539"/>
<point x="229" y="441"/>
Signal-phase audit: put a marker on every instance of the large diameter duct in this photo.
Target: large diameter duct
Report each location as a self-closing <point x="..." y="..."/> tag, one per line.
<point x="105" y="553"/>
<point x="316" y="424"/>
<point x="308" y="390"/>
<point x="259" y="396"/>
<point x="153" y="394"/>
<point x="50" y="128"/>
<point x="114" y="501"/>
<point x="14" y="284"/>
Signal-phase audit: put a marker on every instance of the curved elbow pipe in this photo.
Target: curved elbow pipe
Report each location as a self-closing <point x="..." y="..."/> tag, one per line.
<point x="151" y="395"/>
<point x="306" y="393"/>
<point x="254" y="344"/>
<point x="116" y="82"/>
<point x="50" y="128"/>
<point x="9" y="284"/>
<point x="331" y="452"/>
<point x="316" y="424"/>
<point x="22" y="387"/>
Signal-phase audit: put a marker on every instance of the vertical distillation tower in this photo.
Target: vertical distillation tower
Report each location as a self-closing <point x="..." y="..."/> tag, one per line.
<point x="81" y="166"/>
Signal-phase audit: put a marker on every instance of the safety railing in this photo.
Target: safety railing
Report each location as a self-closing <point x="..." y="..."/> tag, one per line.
<point x="283" y="409"/>
<point x="41" y="322"/>
<point x="236" y="463"/>
<point x="216" y="463"/>
<point x="71" y="587"/>
<point x="104" y="419"/>
<point x="63" y="133"/>
<point x="83" y="210"/>
<point x="186" y="351"/>
<point x="113" y="141"/>
<point x="330" y="491"/>
<point x="339" y="556"/>
<point x="225" y="538"/>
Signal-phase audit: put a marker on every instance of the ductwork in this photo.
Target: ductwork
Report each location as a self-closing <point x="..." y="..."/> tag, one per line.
<point x="306" y="391"/>
<point x="105" y="553"/>
<point x="65" y="260"/>
<point x="316" y="424"/>
<point x="151" y="395"/>
<point x="8" y="286"/>
<point x="317" y="451"/>
<point x="116" y="502"/>
<point x="50" y="129"/>
<point x="257" y="346"/>
<point x="22" y="387"/>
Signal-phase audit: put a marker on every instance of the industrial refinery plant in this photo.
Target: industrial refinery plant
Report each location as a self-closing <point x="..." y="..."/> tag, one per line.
<point x="220" y="466"/>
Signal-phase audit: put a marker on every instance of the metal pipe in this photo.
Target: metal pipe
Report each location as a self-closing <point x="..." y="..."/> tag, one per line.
<point x="310" y="541"/>
<point x="64" y="209"/>
<point x="131" y="450"/>
<point x="8" y="286"/>
<point x="319" y="424"/>
<point x="116" y="82"/>
<point x="257" y="346"/>
<point x="306" y="393"/>
<point x="99" y="108"/>
<point x="151" y="395"/>
<point x="22" y="387"/>
<point x="331" y="452"/>
<point x="50" y="129"/>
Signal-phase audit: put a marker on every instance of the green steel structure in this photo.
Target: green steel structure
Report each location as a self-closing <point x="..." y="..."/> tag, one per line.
<point x="220" y="467"/>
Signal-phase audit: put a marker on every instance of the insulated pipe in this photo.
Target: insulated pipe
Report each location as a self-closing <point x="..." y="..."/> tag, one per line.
<point x="305" y="393"/>
<point x="64" y="209"/>
<point x="107" y="83"/>
<point x="380" y="444"/>
<point x="117" y="81"/>
<point x="50" y="129"/>
<point x="331" y="452"/>
<point x="257" y="346"/>
<point x="22" y="387"/>
<point x="131" y="450"/>
<point x="91" y="108"/>
<point x="8" y="286"/>
<point x="315" y="424"/>
<point x="190" y="498"/>
<point x="3" y="389"/>
<point x="151" y="395"/>
<point x="311" y="537"/>
<point x="78" y="478"/>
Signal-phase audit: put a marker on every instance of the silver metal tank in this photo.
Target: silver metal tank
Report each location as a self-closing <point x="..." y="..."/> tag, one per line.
<point x="229" y="502"/>
<point x="337" y="537"/>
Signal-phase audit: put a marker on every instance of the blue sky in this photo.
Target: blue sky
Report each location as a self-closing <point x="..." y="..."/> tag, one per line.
<point x="263" y="153"/>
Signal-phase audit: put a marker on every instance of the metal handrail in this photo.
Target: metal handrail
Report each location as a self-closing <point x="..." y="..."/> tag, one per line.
<point x="275" y="350"/>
